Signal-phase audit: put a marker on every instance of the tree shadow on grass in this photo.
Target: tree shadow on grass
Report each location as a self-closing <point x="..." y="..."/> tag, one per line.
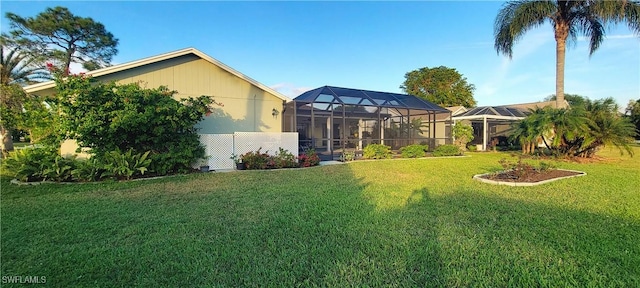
<point x="264" y="228"/>
<point x="503" y="242"/>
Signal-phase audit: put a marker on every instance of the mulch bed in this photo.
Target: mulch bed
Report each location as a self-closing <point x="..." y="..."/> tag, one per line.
<point x="531" y="177"/>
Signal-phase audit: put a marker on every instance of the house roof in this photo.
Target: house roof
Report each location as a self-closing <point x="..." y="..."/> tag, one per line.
<point x="504" y="112"/>
<point x="348" y="96"/>
<point x="455" y="110"/>
<point x="153" y="59"/>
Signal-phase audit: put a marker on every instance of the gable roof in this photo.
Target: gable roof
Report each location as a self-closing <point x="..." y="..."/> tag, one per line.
<point x="153" y="59"/>
<point x="455" y="110"/>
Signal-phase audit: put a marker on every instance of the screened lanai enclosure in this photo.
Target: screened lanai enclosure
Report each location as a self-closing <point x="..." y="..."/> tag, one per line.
<point x="332" y="120"/>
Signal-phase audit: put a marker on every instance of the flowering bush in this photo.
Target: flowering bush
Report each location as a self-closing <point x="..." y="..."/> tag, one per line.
<point x="309" y="158"/>
<point x="255" y="159"/>
<point x="262" y="160"/>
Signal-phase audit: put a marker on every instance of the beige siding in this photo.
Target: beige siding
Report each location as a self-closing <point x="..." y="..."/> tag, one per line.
<point x="247" y="108"/>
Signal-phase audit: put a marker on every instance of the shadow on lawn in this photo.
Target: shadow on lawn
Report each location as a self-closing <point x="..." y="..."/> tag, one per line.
<point x="327" y="232"/>
<point x="504" y="242"/>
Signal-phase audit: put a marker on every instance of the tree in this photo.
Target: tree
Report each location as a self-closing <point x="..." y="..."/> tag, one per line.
<point x="462" y="134"/>
<point x="633" y="113"/>
<point x="606" y="127"/>
<point x="11" y="98"/>
<point x="441" y="85"/>
<point x="107" y="117"/>
<point x="17" y="67"/>
<point x="573" y="99"/>
<point x="569" y="19"/>
<point x="60" y="36"/>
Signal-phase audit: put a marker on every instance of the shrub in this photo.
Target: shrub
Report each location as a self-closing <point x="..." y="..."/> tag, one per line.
<point x="125" y="165"/>
<point x="309" y="158"/>
<point x="282" y="159"/>
<point x="109" y="117"/>
<point x="462" y="134"/>
<point x="348" y="156"/>
<point x="40" y="164"/>
<point x="29" y="164"/>
<point x="376" y="151"/>
<point x="522" y="169"/>
<point x="414" y="151"/>
<point x="472" y="147"/>
<point x="255" y="159"/>
<point x="88" y="170"/>
<point x="447" y="150"/>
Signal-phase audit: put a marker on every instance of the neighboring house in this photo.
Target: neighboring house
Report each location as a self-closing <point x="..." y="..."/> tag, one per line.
<point x="489" y="122"/>
<point x="456" y="110"/>
<point x="249" y="106"/>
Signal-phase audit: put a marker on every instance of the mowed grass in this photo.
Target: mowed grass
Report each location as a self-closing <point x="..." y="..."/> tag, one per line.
<point x="421" y="222"/>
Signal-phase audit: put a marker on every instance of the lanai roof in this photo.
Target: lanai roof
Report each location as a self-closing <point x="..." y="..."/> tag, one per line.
<point x="348" y="96"/>
<point x="505" y="112"/>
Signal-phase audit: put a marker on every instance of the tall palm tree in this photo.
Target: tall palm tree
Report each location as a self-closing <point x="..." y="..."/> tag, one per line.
<point x="17" y="68"/>
<point x="569" y="19"/>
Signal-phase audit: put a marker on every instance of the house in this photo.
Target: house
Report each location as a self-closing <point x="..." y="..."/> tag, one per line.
<point x="489" y="122"/>
<point x="249" y="106"/>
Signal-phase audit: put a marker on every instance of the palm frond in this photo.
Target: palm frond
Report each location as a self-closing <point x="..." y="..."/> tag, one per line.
<point x="516" y="18"/>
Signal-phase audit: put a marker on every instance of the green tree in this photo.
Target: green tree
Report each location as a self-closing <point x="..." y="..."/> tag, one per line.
<point x="633" y="113"/>
<point x="106" y="117"/>
<point x="573" y="99"/>
<point x="462" y="134"/>
<point x="16" y="68"/>
<point x="606" y="127"/>
<point x="11" y="98"/>
<point x="441" y="85"/>
<point x="58" y="35"/>
<point x="569" y="19"/>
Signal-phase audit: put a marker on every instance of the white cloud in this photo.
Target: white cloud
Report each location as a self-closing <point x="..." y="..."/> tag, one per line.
<point x="288" y="89"/>
<point x="76" y="68"/>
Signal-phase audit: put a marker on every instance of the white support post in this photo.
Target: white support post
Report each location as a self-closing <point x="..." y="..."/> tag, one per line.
<point x="360" y="124"/>
<point x="484" y="133"/>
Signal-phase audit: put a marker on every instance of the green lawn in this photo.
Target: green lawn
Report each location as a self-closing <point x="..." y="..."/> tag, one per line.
<point x="404" y="223"/>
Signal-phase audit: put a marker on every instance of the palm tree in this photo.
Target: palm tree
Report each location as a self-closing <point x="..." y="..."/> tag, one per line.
<point x="606" y="128"/>
<point x="569" y="19"/>
<point x="17" y="67"/>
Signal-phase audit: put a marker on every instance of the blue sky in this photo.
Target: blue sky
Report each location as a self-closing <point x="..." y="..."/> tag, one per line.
<point x="297" y="46"/>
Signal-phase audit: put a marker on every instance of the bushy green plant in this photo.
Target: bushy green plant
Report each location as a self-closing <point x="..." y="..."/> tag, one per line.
<point x="255" y="159"/>
<point x="29" y="164"/>
<point x="40" y="164"/>
<point x="376" y="151"/>
<point x="86" y="170"/>
<point x="60" y="170"/>
<point x="125" y="165"/>
<point x="414" y="151"/>
<point x="309" y="158"/>
<point x="282" y="159"/>
<point x="109" y="117"/>
<point x="447" y="150"/>
<point x="462" y="134"/>
<point x="262" y="160"/>
<point x="524" y="169"/>
<point x="347" y="156"/>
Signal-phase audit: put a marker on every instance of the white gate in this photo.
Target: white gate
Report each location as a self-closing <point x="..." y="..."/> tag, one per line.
<point x="220" y="147"/>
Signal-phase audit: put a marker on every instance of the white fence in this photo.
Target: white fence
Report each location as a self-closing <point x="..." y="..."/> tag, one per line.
<point x="220" y="147"/>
